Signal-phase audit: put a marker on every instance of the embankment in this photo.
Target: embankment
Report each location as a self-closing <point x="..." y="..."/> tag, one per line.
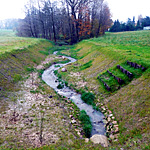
<point x="129" y="102"/>
<point x="14" y="64"/>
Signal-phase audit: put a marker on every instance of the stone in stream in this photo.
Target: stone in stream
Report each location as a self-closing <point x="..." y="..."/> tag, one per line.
<point x="64" y="70"/>
<point x="99" y="139"/>
<point x="100" y="121"/>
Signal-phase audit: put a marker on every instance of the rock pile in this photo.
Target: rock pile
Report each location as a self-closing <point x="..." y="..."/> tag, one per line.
<point x="111" y="125"/>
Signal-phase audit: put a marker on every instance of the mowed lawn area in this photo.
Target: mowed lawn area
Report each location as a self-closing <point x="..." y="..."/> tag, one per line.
<point x="9" y="41"/>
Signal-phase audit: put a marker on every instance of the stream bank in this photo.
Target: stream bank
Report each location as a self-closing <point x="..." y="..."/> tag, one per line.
<point x="96" y="117"/>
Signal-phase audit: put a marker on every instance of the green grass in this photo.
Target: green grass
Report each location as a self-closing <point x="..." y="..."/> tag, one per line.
<point x="133" y="45"/>
<point x="130" y="104"/>
<point x="86" y="65"/>
<point x="9" y="41"/>
<point x="17" y="56"/>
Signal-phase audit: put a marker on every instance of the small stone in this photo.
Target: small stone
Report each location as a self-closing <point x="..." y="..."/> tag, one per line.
<point x="86" y="140"/>
<point x="78" y="133"/>
<point x="110" y="115"/>
<point x="113" y="118"/>
<point x="116" y="130"/>
<point x="71" y="108"/>
<point x="116" y="126"/>
<point x="112" y="136"/>
<point x="105" y="121"/>
<point x="73" y="121"/>
<point x="114" y="122"/>
<point x="71" y="116"/>
<point x="50" y="96"/>
<point x="109" y="119"/>
<point x="140" y="120"/>
<point x="100" y="121"/>
<point x="109" y="112"/>
<point x="64" y="70"/>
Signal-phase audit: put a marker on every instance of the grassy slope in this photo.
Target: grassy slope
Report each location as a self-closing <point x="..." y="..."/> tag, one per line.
<point x="16" y="54"/>
<point x="9" y="41"/>
<point x="130" y="104"/>
<point x="12" y="66"/>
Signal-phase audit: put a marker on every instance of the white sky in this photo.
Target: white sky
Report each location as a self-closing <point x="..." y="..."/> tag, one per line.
<point x="12" y="9"/>
<point x="120" y="9"/>
<point x="124" y="9"/>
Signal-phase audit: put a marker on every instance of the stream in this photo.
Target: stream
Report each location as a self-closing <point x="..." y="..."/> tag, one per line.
<point x="96" y="117"/>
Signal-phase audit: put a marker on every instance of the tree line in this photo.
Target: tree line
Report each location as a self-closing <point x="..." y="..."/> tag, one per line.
<point x="68" y="20"/>
<point x="130" y="25"/>
<point x="9" y="24"/>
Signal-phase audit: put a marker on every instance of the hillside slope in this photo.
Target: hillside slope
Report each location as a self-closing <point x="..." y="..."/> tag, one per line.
<point x="16" y="56"/>
<point x="129" y="102"/>
<point x="33" y="115"/>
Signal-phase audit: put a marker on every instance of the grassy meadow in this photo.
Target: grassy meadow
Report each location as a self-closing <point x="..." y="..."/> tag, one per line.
<point x="129" y="102"/>
<point x="17" y="53"/>
<point x="9" y="41"/>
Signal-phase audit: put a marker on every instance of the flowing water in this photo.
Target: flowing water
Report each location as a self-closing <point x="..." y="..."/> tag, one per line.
<point x="96" y="117"/>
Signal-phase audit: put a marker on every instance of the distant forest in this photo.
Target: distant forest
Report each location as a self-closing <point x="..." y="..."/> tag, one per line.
<point x="9" y="24"/>
<point x="69" y="20"/>
<point x="131" y="25"/>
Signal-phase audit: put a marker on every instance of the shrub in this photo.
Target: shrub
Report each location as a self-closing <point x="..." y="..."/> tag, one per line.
<point x="66" y="83"/>
<point x="86" y="123"/>
<point x="88" y="97"/>
<point x="60" y="86"/>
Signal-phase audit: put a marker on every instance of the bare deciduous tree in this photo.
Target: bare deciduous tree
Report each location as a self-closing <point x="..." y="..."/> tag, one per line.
<point x="64" y="20"/>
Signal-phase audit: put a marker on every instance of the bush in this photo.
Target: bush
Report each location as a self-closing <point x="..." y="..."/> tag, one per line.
<point x="88" y="97"/>
<point x="87" y="129"/>
<point x="86" y="123"/>
<point x="60" y="86"/>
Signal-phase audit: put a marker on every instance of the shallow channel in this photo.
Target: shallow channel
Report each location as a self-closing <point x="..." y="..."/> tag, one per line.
<point x="96" y="117"/>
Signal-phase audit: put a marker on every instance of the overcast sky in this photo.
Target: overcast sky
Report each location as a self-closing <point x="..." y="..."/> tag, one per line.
<point x="12" y="8"/>
<point x="120" y="9"/>
<point x="124" y="9"/>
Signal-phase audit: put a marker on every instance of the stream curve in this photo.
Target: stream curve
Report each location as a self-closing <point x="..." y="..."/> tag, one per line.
<point x="96" y="117"/>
